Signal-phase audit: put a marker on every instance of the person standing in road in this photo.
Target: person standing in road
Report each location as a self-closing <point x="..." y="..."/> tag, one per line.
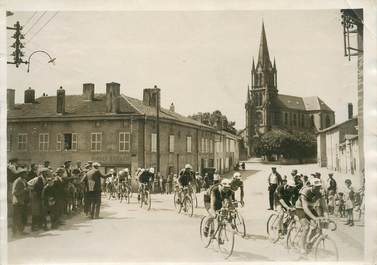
<point x="169" y="184"/>
<point x="93" y="182"/>
<point x="19" y="193"/>
<point x="331" y="184"/>
<point x="36" y="185"/>
<point x="60" y="194"/>
<point x="350" y="202"/>
<point x="274" y="179"/>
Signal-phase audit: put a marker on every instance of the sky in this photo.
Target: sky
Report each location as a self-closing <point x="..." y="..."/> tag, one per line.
<point x="201" y="60"/>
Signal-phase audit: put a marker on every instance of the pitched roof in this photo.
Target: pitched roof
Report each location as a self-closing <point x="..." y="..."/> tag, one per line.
<point x="76" y="105"/>
<point x="299" y="103"/>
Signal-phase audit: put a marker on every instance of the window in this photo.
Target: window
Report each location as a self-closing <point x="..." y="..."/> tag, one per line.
<point x="96" y="142"/>
<point x="232" y="146"/>
<point x="328" y="122"/>
<point x="9" y="142"/>
<point x="286" y="118"/>
<point x="43" y="141"/>
<point x="294" y="119"/>
<point x="59" y="142"/>
<point x="124" y="142"/>
<point x="211" y="146"/>
<point x="22" y="141"/>
<point x="312" y="121"/>
<point x="207" y="143"/>
<point x="153" y="142"/>
<point x="202" y="146"/>
<point x="171" y="143"/>
<point x="188" y="144"/>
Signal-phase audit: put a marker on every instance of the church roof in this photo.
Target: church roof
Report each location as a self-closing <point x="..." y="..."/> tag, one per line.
<point x="299" y="103"/>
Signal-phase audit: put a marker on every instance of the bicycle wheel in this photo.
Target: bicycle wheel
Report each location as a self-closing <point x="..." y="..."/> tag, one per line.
<point x="128" y="194"/>
<point x="273" y="227"/>
<point x="177" y="205"/>
<point x="148" y="200"/>
<point x="141" y="201"/>
<point x="225" y="239"/>
<point x="188" y="206"/>
<point x="292" y="235"/>
<point x="325" y="249"/>
<point x="206" y="239"/>
<point x="239" y="222"/>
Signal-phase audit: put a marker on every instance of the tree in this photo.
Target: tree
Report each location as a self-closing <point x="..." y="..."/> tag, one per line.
<point x="215" y="119"/>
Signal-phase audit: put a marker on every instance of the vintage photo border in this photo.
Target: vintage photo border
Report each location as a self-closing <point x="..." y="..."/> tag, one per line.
<point x="370" y="81"/>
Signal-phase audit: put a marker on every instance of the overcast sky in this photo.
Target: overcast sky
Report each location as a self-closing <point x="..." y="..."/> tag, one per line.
<point x="201" y="60"/>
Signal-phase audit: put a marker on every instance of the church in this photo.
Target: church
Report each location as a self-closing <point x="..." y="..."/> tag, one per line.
<point x="268" y="110"/>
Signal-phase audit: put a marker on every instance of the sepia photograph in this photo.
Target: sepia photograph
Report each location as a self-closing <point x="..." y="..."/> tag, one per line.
<point x="185" y="136"/>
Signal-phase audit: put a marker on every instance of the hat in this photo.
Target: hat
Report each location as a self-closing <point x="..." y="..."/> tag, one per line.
<point x="126" y="169"/>
<point x="237" y="175"/>
<point x="44" y="169"/>
<point x="90" y="162"/>
<point x="315" y="182"/>
<point x="96" y="164"/>
<point x="151" y="170"/>
<point x="294" y="170"/>
<point x="331" y="174"/>
<point x="68" y="161"/>
<point x="13" y="160"/>
<point x="273" y="167"/>
<point x="111" y="171"/>
<point x="291" y="183"/>
<point x="188" y="166"/>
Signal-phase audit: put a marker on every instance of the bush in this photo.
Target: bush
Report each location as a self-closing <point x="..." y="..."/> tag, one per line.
<point x="297" y="145"/>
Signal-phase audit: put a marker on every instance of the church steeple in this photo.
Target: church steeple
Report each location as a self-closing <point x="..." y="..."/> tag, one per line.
<point x="263" y="56"/>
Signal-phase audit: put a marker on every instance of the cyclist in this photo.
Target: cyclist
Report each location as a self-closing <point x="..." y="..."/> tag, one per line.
<point x="186" y="177"/>
<point x="284" y="196"/>
<point x="219" y="193"/>
<point x="236" y="184"/>
<point x="309" y="196"/>
<point x="143" y="178"/>
<point x="110" y="182"/>
<point x="123" y="179"/>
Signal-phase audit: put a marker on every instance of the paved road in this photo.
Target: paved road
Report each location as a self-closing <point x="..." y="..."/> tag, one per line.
<point x="128" y="233"/>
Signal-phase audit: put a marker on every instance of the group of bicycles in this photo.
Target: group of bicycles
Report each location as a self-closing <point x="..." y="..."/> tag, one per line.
<point x="319" y="244"/>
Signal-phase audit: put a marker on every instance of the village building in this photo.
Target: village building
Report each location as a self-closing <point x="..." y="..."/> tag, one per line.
<point x="116" y="130"/>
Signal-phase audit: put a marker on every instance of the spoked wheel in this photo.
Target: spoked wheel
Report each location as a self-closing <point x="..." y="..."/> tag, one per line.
<point x="129" y="194"/>
<point x="141" y="201"/>
<point x="293" y="235"/>
<point x="225" y="239"/>
<point x="147" y="200"/>
<point x="325" y="249"/>
<point x="206" y="238"/>
<point x="188" y="206"/>
<point x="177" y="205"/>
<point x="273" y="227"/>
<point x="239" y="223"/>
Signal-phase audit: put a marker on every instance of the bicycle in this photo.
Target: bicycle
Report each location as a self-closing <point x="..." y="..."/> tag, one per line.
<point x="111" y="190"/>
<point x="322" y="244"/>
<point x="145" y="196"/>
<point x="238" y="220"/>
<point x="124" y="192"/>
<point x="186" y="204"/>
<point x="274" y="226"/>
<point x="224" y="233"/>
<point x="194" y="198"/>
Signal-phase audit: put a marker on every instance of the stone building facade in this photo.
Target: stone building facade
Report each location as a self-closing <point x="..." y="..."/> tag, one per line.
<point x="267" y="110"/>
<point x="116" y="130"/>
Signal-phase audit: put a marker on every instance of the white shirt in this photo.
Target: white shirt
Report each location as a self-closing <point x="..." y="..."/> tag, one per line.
<point x="273" y="178"/>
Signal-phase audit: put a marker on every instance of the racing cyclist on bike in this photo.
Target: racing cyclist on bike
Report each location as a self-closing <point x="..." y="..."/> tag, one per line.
<point x="219" y="194"/>
<point x="236" y="184"/>
<point x="308" y="197"/>
<point x="284" y="196"/>
<point x="186" y="177"/>
<point x="143" y="178"/>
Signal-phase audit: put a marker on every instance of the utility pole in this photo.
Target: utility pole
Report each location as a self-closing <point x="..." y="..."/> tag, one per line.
<point x="17" y="45"/>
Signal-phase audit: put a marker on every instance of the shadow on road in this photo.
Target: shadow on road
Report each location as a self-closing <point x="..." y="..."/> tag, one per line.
<point x="255" y="237"/>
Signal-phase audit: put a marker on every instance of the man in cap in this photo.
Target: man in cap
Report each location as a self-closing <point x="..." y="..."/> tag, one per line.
<point x="92" y="180"/>
<point x="19" y="193"/>
<point x="274" y="180"/>
<point x="36" y="185"/>
<point x="331" y="184"/>
<point x="305" y="209"/>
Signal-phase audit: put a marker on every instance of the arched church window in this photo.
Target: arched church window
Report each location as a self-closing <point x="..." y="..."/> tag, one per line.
<point x="328" y="122"/>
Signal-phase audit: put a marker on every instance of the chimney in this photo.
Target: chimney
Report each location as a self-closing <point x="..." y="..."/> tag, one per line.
<point x="112" y="97"/>
<point x="29" y="95"/>
<point x="151" y="96"/>
<point x="172" y="107"/>
<point x="60" y="100"/>
<point x="88" y="91"/>
<point x="11" y="94"/>
<point x="350" y="111"/>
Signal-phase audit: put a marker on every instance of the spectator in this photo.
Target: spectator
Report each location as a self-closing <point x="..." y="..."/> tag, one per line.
<point x="60" y="194"/>
<point x="36" y="185"/>
<point x="19" y="193"/>
<point x="274" y="179"/>
<point x="49" y="199"/>
<point x="169" y="184"/>
<point x="331" y="184"/>
<point x="93" y="182"/>
<point x="350" y="202"/>
<point x="162" y="184"/>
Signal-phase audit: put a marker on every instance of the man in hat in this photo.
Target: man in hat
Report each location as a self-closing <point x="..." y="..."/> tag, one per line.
<point x="11" y="177"/>
<point x="19" y="193"/>
<point x="274" y="180"/>
<point x="92" y="180"/>
<point x="59" y="189"/>
<point x="36" y="185"/>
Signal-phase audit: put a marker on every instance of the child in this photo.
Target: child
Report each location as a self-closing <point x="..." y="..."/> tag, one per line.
<point x="331" y="203"/>
<point x="349" y="202"/>
<point x="339" y="204"/>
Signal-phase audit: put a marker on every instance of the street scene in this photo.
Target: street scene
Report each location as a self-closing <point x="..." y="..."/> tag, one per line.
<point x="177" y="136"/>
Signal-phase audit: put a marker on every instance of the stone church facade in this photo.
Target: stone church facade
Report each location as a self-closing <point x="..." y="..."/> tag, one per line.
<point x="268" y="110"/>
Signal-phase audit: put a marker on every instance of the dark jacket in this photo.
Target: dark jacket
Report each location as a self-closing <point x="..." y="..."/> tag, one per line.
<point x="93" y="180"/>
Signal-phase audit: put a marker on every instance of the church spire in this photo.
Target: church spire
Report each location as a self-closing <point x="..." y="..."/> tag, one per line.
<point x="263" y="56"/>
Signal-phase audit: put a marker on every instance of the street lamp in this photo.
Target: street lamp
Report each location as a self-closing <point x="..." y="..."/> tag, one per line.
<point x="52" y="60"/>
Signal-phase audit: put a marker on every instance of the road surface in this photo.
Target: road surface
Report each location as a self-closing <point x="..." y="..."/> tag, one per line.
<point x="130" y="234"/>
